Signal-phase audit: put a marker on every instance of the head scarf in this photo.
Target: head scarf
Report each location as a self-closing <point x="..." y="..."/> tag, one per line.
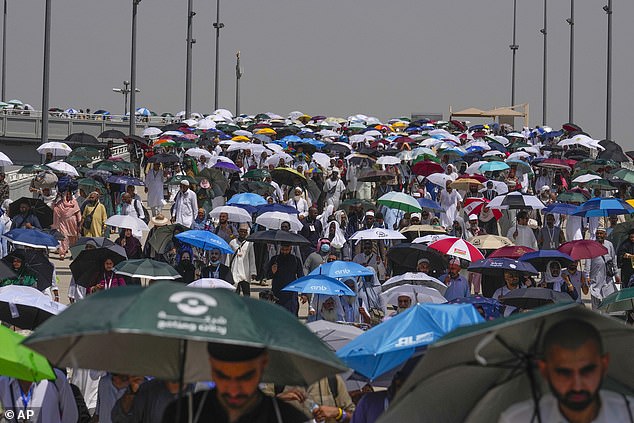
<point x="556" y="281"/>
<point x="339" y="240"/>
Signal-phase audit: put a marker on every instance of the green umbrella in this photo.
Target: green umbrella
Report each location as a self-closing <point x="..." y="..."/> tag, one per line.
<point x="620" y="233"/>
<point x="176" y="180"/>
<point x="144" y="329"/>
<point x="479" y="371"/>
<point x="256" y="174"/>
<point x="109" y="166"/>
<point x="146" y="268"/>
<point x="186" y="144"/>
<point x="33" y="168"/>
<point x="162" y="235"/>
<point x="21" y="362"/>
<point x="367" y="205"/>
<point x="622" y="300"/>
<point x="602" y="184"/>
<point x="90" y="183"/>
<point x="400" y="201"/>
<point x="571" y="197"/>
<point x="77" y="159"/>
<point x="625" y="174"/>
<point x="86" y="151"/>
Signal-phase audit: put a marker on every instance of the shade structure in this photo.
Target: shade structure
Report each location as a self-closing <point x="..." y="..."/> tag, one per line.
<point x="146" y="268"/>
<point x="601" y="207"/>
<point x="516" y="201"/>
<point x="457" y="247"/>
<point x="399" y="201"/>
<point x="319" y="284"/>
<point x="583" y="249"/>
<point x="145" y="329"/>
<point x="206" y="240"/>
<point x="394" y="341"/>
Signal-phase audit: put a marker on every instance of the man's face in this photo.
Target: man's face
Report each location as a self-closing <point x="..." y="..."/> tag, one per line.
<point x="298" y="193"/>
<point x="285" y="226"/>
<point x="367" y="248"/>
<point x="550" y="220"/>
<point x="126" y="198"/>
<point x="415" y="220"/>
<point x="24" y="208"/>
<point x="201" y="214"/>
<point x="312" y="212"/>
<point x="215" y="255"/>
<point x="93" y="197"/>
<point x="285" y="249"/>
<point x="369" y="220"/>
<point x="184" y="188"/>
<point x="334" y="176"/>
<point x="223" y="218"/>
<point x="237" y="382"/>
<point x="17" y="263"/>
<point x="473" y="223"/>
<point x="512" y="279"/>
<point x="448" y="187"/>
<point x="423" y="267"/>
<point x="404" y="302"/>
<point x="601" y="236"/>
<point x="575" y="376"/>
<point x="454" y="269"/>
<point x="522" y="220"/>
<point x="242" y="233"/>
<point x="156" y="166"/>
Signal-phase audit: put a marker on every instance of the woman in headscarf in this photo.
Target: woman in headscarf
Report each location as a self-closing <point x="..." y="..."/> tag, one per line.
<point x="201" y="220"/>
<point x="554" y="280"/>
<point x="338" y="242"/>
<point x="186" y="268"/>
<point x="66" y="219"/>
<point x="130" y="244"/>
<point x="458" y="228"/>
<point x="488" y="221"/>
<point x="371" y="305"/>
<point x="108" y="278"/>
<point x="24" y="275"/>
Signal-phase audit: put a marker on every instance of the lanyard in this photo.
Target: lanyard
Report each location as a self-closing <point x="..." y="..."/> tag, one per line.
<point x="108" y="283"/>
<point x="26" y="399"/>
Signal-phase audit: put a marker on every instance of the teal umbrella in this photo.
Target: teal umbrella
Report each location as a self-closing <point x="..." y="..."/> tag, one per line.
<point x="146" y="268"/>
<point x="622" y="300"/>
<point x="136" y="330"/>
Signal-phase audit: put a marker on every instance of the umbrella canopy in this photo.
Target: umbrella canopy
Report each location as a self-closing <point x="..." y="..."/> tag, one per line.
<point x="112" y="133"/>
<point x="457" y="247"/>
<point x="56" y="148"/>
<point x="599" y="206"/>
<point x="80" y="245"/>
<point x="319" y="284"/>
<point x="494" y="266"/>
<point x="490" y="242"/>
<point x="414" y="278"/>
<point x="512" y="252"/>
<point x="426" y="168"/>
<point x="583" y="249"/>
<point x="342" y="270"/>
<point x="235" y="214"/>
<point x="38" y="207"/>
<point x="26" y="307"/>
<point x="430" y="205"/>
<point x="335" y="335"/>
<point x="37" y="262"/>
<point x="162" y="236"/>
<point x="622" y="300"/>
<point x="127" y="222"/>
<point x="489" y="308"/>
<point x="274" y="220"/>
<point x="20" y="362"/>
<point x="440" y="179"/>
<point x="540" y="259"/>
<point x="277" y="236"/>
<point x="164" y="158"/>
<point x="421" y="295"/>
<point x="560" y="208"/>
<point x="247" y="198"/>
<point x="376" y="233"/>
<point x="125" y="180"/>
<point x="288" y="176"/>
<point x="151" y="325"/>
<point x="406" y="256"/>
<point x="394" y="341"/>
<point x="211" y="283"/>
<point x="515" y="201"/>
<point x="465" y="183"/>
<point x="530" y="298"/>
<point x="571" y="197"/>
<point x="399" y="201"/>
<point x="479" y="371"/>
<point x="492" y="167"/>
<point x="474" y="205"/>
<point x="81" y="138"/>
<point x="373" y="175"/>
<point x="146" y="268"/>
<point x="620" y="233"/>
<point x="206" y="240"/>
<point x="88" y="264"/>
<point x="5" y="160"/>
<point x="63" y="167"/>
<point x="33" y="238"/>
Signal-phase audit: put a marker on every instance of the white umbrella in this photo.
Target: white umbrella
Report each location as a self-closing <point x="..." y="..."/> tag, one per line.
<point x="428" y="239"/>
<point x="274" y="220"/>
<point x="127" y="222"/>
<point x="255" y="148"/>
<point x="582" y="140"/>
<point x="216" y="159"/>
<point x="63" y="167"/>
<point x="518" y="155"/>
<point x="335" y="335"/>
<point x="236" y="214"/>
<point x="198" y="152"/>
<point x="211" y="283"/>
<point x="440" y="179"/>
<point x="192" y="123"/>
<point x="206" y="124"/>
<point x="56" y="148"/>
<point x="498" y="186"/>
<point x="243" y="132"/>
<point x="474" y="167"/>
<point x="5" y="160"/>
<point x="175" y="133"/>
<point x="321" y="159"/>
<point x="30" y="297"/>
<point x="377" y="233"/>
<point x="414" y="278"/>
<point x="516" y="200"/>
<point x="585" y="178"/>
<point x="151" y="131"/>
<point x="423" y="294"/>
<point x="275" y="147"/>
<point x="388" y="160"/>
<point x="493" y="153"/>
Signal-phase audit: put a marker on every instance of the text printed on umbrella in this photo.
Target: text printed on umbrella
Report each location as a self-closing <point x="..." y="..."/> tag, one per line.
<point x="410" y="341"/>
<point x="192" y="304"/>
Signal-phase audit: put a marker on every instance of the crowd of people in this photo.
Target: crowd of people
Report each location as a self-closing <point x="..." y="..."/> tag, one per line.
<point x="319" y="190"/>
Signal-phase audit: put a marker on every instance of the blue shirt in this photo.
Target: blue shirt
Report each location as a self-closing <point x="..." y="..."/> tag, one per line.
<point x="457" y="288"/>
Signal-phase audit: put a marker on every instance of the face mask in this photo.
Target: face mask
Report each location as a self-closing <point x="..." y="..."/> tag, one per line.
<point x="325" y="248"/>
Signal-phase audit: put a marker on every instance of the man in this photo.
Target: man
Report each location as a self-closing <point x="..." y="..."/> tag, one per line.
<point x="283" y="269"/>
<point x="625" y="256"/>
<point x="216" y="269"/>
<point x="4" y="188"/>
<point x="414" y="219"/>
<point x="94" y="216"/>
<point x="574" y="365"/>
<point x="225" y="229"/>
<point x="144" y="401"/>
<point x="311" y="230"/>
<point x="185" y="205"/>
<point x="550" y="237"/>
<point x="112" y="386"/>
<point x="328" y="308"/>
<point x="457" y="285"/>
<point x="599" y="277"/>
<point x="334" y="189"/>
<point x="242" y="262"/>
<point x="368" y="258"/>
<point x="450" y="202"/>
<point x="520" y="233"/>
<point x="318" y="257"/>
<point x="577" y="278"/>
<point x="236" y="397"/>
<point x="474" y="229"/>
<point x="403" y="302"/>
<point x="299" y="203"/>
<point x="423" y="266"/>
<point x="130" y="206"/>
<point x="473" y="192"/>
<point x="512" y="282"/>
<point x="25" y="219"/>
<point x="154" y="181"/>
<point x="490" y="193"/>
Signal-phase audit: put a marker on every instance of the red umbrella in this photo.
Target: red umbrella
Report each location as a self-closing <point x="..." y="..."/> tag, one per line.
<point x="583" y="249"/>
<point x="512" y="251"/>
<point x="403" y="140"/>
<point x="457" y="247"/>
<point x="553" y="163"/>
<point x="474" y="206"/>
<point x="426" y="168"/>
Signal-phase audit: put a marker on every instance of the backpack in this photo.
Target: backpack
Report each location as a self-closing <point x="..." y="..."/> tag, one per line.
<point x="146" y="215"/>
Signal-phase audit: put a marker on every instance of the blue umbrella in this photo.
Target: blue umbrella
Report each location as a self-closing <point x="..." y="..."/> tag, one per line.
<point x="31" y="238"/>
<point x="493" y="166"/>
<point x="342" y="269"/>
<point x="429" y="204"/>
<point x="560" y="208"/>
<point x="319" y="284"/>
<point x="291" y="138"/>
<point x="250" y="209"/>
<point x="394" y="341"/>
<point x="598" y="207"/>
<point x="276" y="208"/>
<point x="205" y="240"/>
<point x="125" y="180"/>
<point x="495" y="265"/>
<point x="247" y="198"/>
<point x="490" y="307"/>
<point x="539" y="259"/>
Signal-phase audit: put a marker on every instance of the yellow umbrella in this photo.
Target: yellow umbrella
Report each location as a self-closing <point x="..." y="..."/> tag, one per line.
<point x="304" y="118"/>
<point x="630" y="202"/>
<point x="465" y="183"/>
<point x="399" y="124"/>
<point x="240" y="138"/>
<point x="266" y="131"/>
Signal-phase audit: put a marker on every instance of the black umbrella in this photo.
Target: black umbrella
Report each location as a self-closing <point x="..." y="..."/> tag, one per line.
<point x="278" y="236"/>
<point x="81" y="138"/>
<point x="288" y="176"/>
<point x="43" y="212"/>
<point x="612" y="151"/>
<point x="6" y="271"/>
<point x="337" y="148"/>
<point x="112" y="133"/>
<point x="372" y="175"/>
<point x="164" y="158"/>
<point x="131" y="139"/>
<point x="172" y="127"/>
<point x="256" y="187"/>
<point x="80" y="245"/>
<point x="161" y="236"/>
<point x="404" y="258"/>
<point x="88" y="265"/>
<point x="530" y="298"/>
<point x="38" y="263"/>
<point x="26" y="307"/>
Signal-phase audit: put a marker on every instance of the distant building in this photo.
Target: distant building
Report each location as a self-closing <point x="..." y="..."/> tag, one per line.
<point x="429" y="116"/>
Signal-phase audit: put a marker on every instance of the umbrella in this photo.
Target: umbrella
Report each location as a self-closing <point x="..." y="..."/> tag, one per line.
<point x="465" y="183"/>
<point x="560" y="208"/>
<point x="229" y="167"/>
<point x="512" y="252"/>
<point x="599" y="206"/>
<point x="399" y="201"/>
<point x="167" y="318"/>
<point x="6" y="272"/>
<point x="125" y="180"/>
<point x="494" y="266"/>
<point x="393" y="342"/>
<point x="206" y="240"/>
<point x="33" y="168"/>
<point x="530" y="298"/>
<point x="583" y="249"/>
<point x="5" y="160"/>
<point x="287" y="176"/>
<point x="414" y="278"/>
<point x="618" y="301"/>
<point x="211" y="283"/>
<point x="602" y="184"/>
<point x="479" y="371"/>
<point x="164" y="158"/>
<point x="33" y="238"/>
<point x="428" y="239"/>
<point x="457" y="247"/>
<point x="319" y="284"/>
<point x="342" y="270"/>
<point x="112" y="133"/>
<point x="493" y="167"/>
<point x="276" y="207"/>
<point x="422" y="294"/>
<point x="146" y="268"/>
<point x="274" y="220"/>
<point x="162" y="236"/>
<point x="55" y="148"/>
<point x="26" y="307"/>
<point x="373" y="175"/>
<point x="620" y="233"/>
<point x="38" y="207"/>
<point x="235" y="214"/>
<point x="540" y="259"/>
<point x="430" y="205"/>
<point x="571" y="197"/>
<point x="39" y="264"/>
<point x="426" y="168"/>
<point x="406" y="256"/>
<point x="277" y="236"/>
<point x="81" y="138"/>
<point x="490" y="242"/>
<point x="127" y="222"/>
<point x="63" y="167"/>
<point x="257" y="187"/>
<point x="515" y="201"/>
<point x="440" y="179"/>
<point x="88" y="264"/>
<point x="256" y="174"/>
<point x="376" y="233"/>
<point x="335" y="335"/>
<point x="176" y="180"/>
<point x="248" y="199"/>
<point x="80" y="245"/>
<point x="20" y="362"/>
<point x="489" y="308"/>
<point x="425" y="229"/>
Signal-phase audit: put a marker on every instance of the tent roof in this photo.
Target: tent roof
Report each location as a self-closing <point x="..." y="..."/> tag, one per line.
<point x="503" y="111"/>
<point x="471" y="111"/>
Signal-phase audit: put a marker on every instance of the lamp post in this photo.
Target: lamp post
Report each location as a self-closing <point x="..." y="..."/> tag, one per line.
<point x="544" y="32"/>
<point x="4" y="51"/>
<point x="133" y="89"/>
<point x="125" y="91"/>
<point x="608" y="105"/>
<point x="218" y="25"/>
<point x="190" y="43"/>
<point x="46" y="71"/>
<point x="571" y="87"/>
<point x="238" y="76"/>
<point x="514" y="47"/>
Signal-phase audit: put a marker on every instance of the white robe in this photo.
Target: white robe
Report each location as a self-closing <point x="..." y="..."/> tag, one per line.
<point x="573" y="228"/>
<point x="525" y="236"/>
<point x="185" y="208"/>
<point x="154" y="185"/>
<point x="449" y="202"/>
<point x="242" y="262"/>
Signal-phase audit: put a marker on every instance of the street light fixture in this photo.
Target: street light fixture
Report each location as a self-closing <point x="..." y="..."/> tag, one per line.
<point x="47" y="69"/>
<point x="544" y="32"/>
<point x="125" y="91"/>
<point x="132" y="118"/>
<point x="608" y="106"/>
<point x="514" y="47"/>
<point x="190" y="43"/>
<point x="4" y="51"/>
<point x="218" y="25"/>
<point x="571" y="88"/>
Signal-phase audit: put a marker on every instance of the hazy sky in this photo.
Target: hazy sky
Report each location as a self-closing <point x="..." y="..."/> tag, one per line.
<point x="381" y="58"/>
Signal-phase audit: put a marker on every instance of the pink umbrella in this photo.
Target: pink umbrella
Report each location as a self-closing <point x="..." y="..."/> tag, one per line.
<point x="583" y="249"/>
<point x="511" y="251"/>
<point x="457" y="247"/>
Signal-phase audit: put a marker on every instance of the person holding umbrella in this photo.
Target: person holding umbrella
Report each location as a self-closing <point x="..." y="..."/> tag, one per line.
<point x="283" y="269"/>
<point x="521" y="233"/>
<point x="26" y="218"/>
<point x="185" y="205"/>
<point x="625" y="257"/>
<point x="602" y="271"/>
<point x="242" y="262"/>
<point x="458" y="286"/>
<point x="109" y="279"/>
<point x="24" y="275"/>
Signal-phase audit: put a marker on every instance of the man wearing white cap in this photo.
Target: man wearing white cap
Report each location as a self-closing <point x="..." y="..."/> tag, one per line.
<point x="299" y="202"/>
<point x="334" y="189"/>
<point x="458" y="287"/>
<point x="185" y="207"/>
<point x="242" y="262"/>
<point x="474" y="229"/>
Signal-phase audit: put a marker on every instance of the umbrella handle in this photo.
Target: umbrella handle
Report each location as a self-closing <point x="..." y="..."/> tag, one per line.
<point x="481" y="345"/>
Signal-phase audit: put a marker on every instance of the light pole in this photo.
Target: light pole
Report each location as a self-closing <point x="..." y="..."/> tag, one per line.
<point x="514" y="47"/>
<point x="47" y="69"/>
<point x="544" y="32"/>
<point x="238" y="76"/>
<point x="4" y="51"/>
<point x="218" y="25"/>
<point x="571" y="87"/>
<point x="190" y="43"/>
<point x="125" y="91"/>
<point x="133" y="90"/>
<point x="608" y="105"/>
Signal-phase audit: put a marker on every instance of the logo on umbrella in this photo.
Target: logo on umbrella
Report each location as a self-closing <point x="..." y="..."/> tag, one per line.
<point x="460" y="252"/>
<point x="318" y="288"/>
<point x="408" y="341"/>
<point x="192" y="304"/>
